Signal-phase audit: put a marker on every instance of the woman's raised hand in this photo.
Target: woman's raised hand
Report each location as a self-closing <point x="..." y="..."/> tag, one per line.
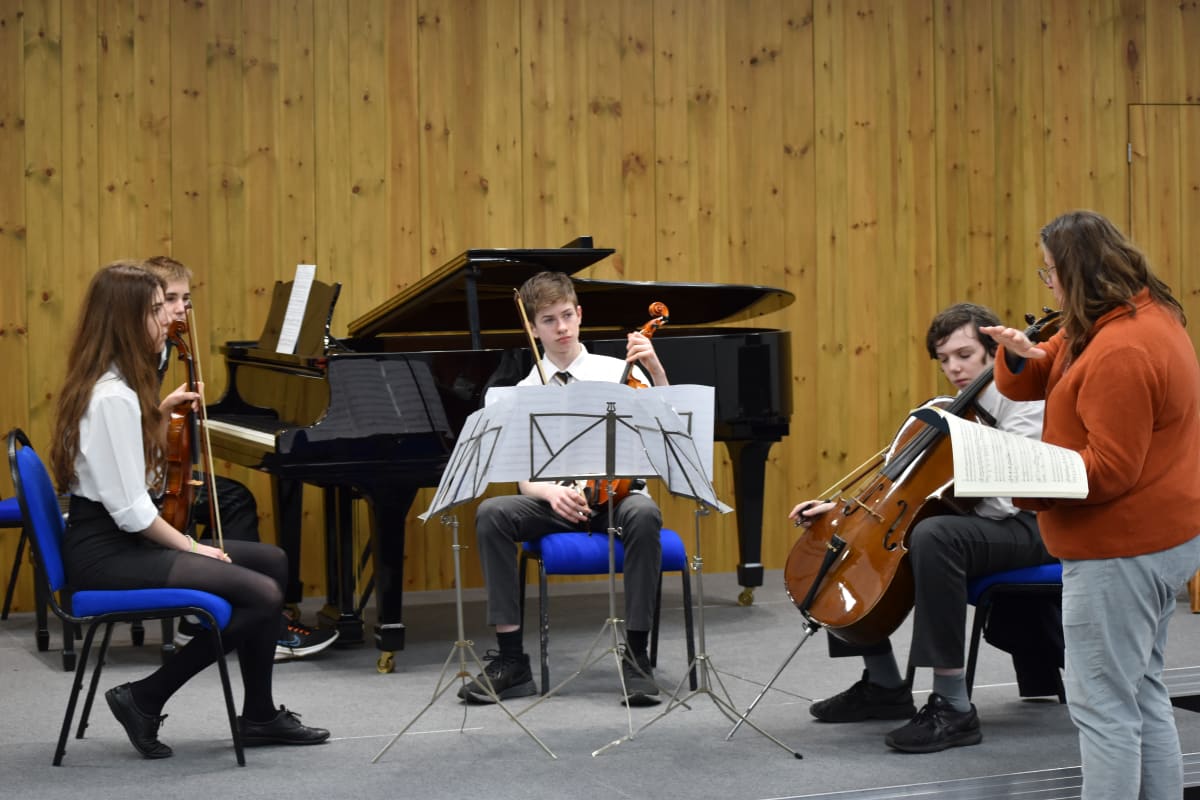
<point x="1014" y="341"/>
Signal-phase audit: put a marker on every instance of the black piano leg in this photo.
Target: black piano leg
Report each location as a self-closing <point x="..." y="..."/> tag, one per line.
<point x="288" y="498"/>
<point x="389" y="508"/>
<point x="749" y="479"/>
<point x="341" y="574"/>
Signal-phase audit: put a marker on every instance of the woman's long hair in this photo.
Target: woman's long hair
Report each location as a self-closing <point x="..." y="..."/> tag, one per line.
<point x="1098" y="269"/>
<point x="111" y="332"/>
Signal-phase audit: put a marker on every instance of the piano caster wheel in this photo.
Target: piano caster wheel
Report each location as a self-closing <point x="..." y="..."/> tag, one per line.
<point x="386" y="664"/>
<point x="746" y="596"/>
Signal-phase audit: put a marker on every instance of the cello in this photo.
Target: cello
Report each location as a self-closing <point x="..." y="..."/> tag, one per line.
<point x="597" y="491"/>
<point x="849" y="571"/>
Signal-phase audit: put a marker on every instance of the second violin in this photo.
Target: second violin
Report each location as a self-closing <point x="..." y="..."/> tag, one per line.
<point x="182" y="435"/>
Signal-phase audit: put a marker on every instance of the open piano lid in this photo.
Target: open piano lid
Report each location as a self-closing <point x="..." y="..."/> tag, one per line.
<point x="474" y="293"/>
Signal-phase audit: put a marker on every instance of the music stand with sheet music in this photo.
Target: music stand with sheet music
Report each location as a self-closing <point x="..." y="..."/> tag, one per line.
<point x="465" y="478"/>
<point x="502" y="443"/>
<point x="685" y="471"/>
<point x="569" y="445"/>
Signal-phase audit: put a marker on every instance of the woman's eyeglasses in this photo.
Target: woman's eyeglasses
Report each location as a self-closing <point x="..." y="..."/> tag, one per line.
<point x="1044" y="274"/>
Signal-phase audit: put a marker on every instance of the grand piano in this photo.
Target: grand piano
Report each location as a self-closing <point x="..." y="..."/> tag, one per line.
<point x="374" y="415"/>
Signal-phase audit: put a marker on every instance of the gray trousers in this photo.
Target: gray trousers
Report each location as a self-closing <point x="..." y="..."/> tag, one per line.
<point x="947" y="552"/>
<point x="1115" y="615"/>
<point x="502" y="521"/>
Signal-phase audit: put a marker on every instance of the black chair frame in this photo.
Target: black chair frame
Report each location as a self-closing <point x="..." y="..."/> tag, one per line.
<point x="983" y="609"/>
<point x="544" y="618"/>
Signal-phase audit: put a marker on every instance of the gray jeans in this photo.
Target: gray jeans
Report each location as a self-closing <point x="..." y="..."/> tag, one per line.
<point x="1115" y="615"/>
<point x="501" y="521"/>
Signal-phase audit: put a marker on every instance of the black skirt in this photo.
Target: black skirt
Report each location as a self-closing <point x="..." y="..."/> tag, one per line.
<point x="99" y="555"/>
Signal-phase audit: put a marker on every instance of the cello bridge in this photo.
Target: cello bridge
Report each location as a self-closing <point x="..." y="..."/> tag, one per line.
<point x="866" y="508"/>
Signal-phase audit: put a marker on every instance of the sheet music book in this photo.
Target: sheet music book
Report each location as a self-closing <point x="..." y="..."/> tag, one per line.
<point x="993" y="463"/>
<point x="293" y="320"/>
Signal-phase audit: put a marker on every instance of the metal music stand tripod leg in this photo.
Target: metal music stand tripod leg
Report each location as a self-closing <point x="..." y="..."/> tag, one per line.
<point x="705" y="671"/>
<point x="832" y="551"/>
<point x="613" y="623"/>
<point x="461" y="648"/>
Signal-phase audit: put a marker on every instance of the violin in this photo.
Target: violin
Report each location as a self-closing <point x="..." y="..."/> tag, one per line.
<point x="849" y="571"/>
<point x="186" y="440"/>
<point x="180" y="492"/>
<point x="596" y="491"/>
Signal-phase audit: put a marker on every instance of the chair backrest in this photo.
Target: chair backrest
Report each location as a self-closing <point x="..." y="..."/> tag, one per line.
<point x="39" y="506"/>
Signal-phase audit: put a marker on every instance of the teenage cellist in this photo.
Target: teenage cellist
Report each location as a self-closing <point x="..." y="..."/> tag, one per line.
<point x="946" y="552"/>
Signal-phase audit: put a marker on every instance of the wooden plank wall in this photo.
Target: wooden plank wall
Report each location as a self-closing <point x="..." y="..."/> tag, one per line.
<point x="880" y="159"/>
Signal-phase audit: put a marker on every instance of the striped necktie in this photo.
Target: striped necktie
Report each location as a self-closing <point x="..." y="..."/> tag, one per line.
<point x="563" y="378"/>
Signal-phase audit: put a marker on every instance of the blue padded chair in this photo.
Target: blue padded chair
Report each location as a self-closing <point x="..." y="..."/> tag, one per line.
<point x="1045" y="579"/>
<point x="582" y="553"/>
<point x="93" y="608"/>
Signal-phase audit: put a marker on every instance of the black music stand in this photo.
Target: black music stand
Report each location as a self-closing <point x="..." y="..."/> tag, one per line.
<point x="571" y="445"/>
<point x="685" y="476"/>
<point x="465" y="478"/>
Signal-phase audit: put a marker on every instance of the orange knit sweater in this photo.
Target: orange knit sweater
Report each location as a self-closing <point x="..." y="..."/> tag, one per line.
<point x="1130" y="405"/>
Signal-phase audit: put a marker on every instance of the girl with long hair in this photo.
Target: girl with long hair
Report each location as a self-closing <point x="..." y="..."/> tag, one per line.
<point x="108" y="451"/>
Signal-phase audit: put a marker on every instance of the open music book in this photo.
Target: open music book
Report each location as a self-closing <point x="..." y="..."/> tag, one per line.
<point x="992" y="463"/>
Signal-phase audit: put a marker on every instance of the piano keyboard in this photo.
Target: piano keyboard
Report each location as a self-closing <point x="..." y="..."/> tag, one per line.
<point x="266" y="439"/>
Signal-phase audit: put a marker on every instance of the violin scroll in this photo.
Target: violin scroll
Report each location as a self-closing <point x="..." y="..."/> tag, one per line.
<point x="659" y="316"/>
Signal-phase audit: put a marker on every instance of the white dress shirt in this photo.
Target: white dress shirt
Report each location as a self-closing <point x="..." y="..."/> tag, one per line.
<point x="585" y="367"/>
<point x="111" y="466"/>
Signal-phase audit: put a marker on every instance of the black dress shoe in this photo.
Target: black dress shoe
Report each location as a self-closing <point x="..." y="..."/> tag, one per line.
<point x="284" y="728"/>
<point x="141" y="729"/>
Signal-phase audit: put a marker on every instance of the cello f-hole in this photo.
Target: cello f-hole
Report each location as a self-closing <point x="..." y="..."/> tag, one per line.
<point x="888" y="544"/>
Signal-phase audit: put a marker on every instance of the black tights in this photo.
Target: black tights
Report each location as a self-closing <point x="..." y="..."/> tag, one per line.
<point x="253" y="585"/>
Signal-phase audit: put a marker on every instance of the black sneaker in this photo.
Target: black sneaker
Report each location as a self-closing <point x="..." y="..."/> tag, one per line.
<point x="865" y="700"/>
<point x="641" y="690"/>
<point x="507" y="676"/>
<point x="935" y="727"/>
<point x="300" y="640"/>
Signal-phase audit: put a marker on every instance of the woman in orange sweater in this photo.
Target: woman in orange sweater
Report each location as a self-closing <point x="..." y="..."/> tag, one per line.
<point x="1122" y="388"/>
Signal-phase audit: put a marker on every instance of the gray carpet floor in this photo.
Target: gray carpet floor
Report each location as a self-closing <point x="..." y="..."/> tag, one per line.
<point x="456" y="751"/>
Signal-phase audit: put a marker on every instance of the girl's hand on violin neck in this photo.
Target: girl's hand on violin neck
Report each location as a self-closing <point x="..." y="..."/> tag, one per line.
<point x="1014" y="341"/>
<point x="179" y="397"/>
<point x="805" y="513"/>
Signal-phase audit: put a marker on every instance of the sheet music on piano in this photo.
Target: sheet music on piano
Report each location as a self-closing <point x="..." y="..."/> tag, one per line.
<point x="297" y="303"/>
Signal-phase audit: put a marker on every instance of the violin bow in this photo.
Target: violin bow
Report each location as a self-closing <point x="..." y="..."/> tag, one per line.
<point x="537" y="359"/>
<point x="210" y="479"/>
